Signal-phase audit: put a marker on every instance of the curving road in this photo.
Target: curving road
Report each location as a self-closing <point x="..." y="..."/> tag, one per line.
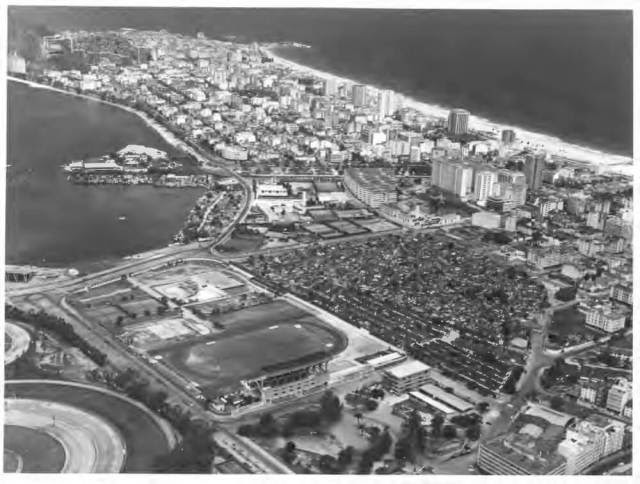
<point x="90" y="443"/>
<point x="19" y="339"/>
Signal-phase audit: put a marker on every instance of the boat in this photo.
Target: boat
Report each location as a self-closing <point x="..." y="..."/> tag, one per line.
<point x="122" y="218"/>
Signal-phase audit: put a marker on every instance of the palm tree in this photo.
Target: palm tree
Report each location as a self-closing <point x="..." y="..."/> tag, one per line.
<point x="358" y="416"/>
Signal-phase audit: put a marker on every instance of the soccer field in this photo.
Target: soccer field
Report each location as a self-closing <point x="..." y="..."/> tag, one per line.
<point x="256" y="337"/>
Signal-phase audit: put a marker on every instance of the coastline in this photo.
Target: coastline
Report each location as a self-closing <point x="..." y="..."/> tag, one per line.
<point x="167" y="135"/>
<point x="607" y="162"/>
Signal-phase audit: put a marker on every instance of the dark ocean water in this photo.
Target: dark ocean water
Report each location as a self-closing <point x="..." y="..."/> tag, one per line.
<point x="53" y="222"/>
<point x="566" y="73"/>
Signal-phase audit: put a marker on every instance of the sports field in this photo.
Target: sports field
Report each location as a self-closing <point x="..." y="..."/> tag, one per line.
<point x="255" y="337"/>
<point x="145" y="440"/>
<point x="31" y="450"/>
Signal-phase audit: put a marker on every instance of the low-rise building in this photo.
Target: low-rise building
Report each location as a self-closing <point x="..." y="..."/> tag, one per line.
<point x="606" y="318"/>
<point x="271" y="190"/>
<point x="372" y="186"/>
<point x="407" y="376"/>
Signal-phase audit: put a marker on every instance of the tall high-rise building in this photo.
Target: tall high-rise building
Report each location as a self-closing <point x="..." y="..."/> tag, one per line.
<point x="453" y="176"/>
<point x="458" y="122"/>
<point x="387" y="103"/>
<point x="484" y="184"/>
<point x="533" y="167"/>
<point x="508" y="136"/>
<point x="330" y="87"/>
<point x="359" y="95"/>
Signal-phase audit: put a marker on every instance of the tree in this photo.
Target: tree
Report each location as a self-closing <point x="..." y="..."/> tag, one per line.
<point x="436" y="425"/>
<point x="449" y="432"/>
<point x="482" y="407"/>
<point x="402" y="450"/>
<point x="566" y="293"/>
<point x="345" y="457"/>
<point x="557" y="402"/>
<point x="473" y="432"/>
<point x="331" y="407"/>
<point x="371" y="405"/>
<point x="327" y="464"/>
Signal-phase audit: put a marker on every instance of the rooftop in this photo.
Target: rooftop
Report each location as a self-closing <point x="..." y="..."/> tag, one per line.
<point x="448" y="398"/>
<point x="408" y="368"/>
<point x="379" y="178"/>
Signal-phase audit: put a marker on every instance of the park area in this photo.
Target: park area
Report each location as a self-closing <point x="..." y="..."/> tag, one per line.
<point x="255" y="337"/>
<point x="568" y="328"/>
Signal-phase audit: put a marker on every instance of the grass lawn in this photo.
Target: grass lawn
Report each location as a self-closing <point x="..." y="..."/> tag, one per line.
<point x="258" y="336"/>
<point x="39" y="451"/>
<point x="145" y="440"/>
<point x="243" y="243"/>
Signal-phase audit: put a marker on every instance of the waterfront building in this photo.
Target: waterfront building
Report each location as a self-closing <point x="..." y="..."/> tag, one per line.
<point x="359" y="95"/>
<point x="458" y="122"/>
<point x="387" y="103"/>
<point x="533" y="167"/>
<point x="330" y="87"/>
<point x="406" y="376"/>
<point x="508" y="136"/>
<point x="372" y="186"/>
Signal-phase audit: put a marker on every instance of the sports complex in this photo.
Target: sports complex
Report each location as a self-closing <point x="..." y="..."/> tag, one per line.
<point x="224" y="337"/>
<point x="55" y="426"/>
<point x="254" y="340"/>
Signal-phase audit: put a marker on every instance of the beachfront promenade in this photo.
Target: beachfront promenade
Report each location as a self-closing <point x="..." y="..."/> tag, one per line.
<point x="526" y="139"/>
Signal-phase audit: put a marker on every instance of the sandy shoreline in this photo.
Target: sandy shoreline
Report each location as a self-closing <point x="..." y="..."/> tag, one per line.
<point x="608" y="162"/>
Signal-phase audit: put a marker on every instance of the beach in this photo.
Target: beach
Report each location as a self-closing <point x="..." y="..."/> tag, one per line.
<point x="602" y="161"/>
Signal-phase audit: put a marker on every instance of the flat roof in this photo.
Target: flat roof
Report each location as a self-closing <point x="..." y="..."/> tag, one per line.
<point x="431" y="402"/>
<point x="552" y="416"/>
<point x="407" y="368"/>
<point x="381" y="360"/>
<point x="374" y="178"/>
<point x="448" y="398"/>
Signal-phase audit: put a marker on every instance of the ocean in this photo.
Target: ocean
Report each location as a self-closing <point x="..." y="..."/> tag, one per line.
<point x="50" y="221"/>
<point x="563" y="73"/>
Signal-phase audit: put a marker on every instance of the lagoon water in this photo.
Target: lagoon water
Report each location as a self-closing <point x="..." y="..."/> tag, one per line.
<point x="50" y="221"/>
<point x="565" y="73"/>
